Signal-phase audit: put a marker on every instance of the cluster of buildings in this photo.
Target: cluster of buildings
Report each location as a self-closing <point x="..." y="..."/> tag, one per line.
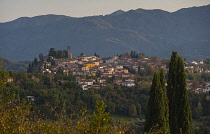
<point x="120" y="69"/>
<point x="116" y="68"/>
<point x="196" y="66"/>
<point x="200" y="87"/>
<point x="203" y="90"/>
<point x="102" y="68"/>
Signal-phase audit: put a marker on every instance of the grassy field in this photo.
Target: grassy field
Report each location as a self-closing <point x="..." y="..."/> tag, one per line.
<point x="197" y="123"/>
<point x="125" y="118"/>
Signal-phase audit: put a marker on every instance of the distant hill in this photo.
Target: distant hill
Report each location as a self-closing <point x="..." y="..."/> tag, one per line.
<point x="13" y="66"/>
<point x="152" y="32"/>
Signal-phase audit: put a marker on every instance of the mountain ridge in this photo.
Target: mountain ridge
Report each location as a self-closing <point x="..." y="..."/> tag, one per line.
<point x="152" y="32"/>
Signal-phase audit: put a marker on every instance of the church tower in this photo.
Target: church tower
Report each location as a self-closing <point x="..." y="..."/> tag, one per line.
<point x="69" y="52"/>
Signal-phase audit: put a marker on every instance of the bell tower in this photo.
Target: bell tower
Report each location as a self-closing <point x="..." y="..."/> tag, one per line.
<point x="69" y="52"/>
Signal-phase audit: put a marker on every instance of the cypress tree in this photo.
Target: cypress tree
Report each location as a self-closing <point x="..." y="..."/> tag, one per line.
<point x="180" y="119"/>
<point x="171" y="87"/>
<point x="157" y="117"/>
<point x="165" y="100"/>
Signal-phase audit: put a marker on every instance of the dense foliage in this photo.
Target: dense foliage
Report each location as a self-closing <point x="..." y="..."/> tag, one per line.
<point x="57" y="53"/>
<point x="19" y="116"/>
<point x="49" y="91"/>
<point x="180" y="119"/>
<point x="157" y="108"/>
<point x="59" y="103"/>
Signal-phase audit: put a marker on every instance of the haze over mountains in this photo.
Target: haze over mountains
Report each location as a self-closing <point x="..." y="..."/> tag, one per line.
<point x="152" y="32"/>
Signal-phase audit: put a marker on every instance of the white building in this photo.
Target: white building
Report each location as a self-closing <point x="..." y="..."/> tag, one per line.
<point x="207" y="89"/>
<point x="128" y="84"/>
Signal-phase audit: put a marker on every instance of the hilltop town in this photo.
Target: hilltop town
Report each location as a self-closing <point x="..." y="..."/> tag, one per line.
<point x="123" y="70"/>
<point x="60" y="84"/>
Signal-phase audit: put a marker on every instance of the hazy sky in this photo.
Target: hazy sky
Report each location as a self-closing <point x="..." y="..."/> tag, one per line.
<point x="13" y="9"/>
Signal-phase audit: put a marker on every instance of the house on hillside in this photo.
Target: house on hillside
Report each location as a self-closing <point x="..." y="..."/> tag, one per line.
<point x="207" y="89"/>
<point x="194" y="62"/>
<point x="130" y="80"/>
<point x="85" y="68"/>
<point x="127" y="84"/>
<point x="10" y="79"/>
<point x="88" y="82"/>
<point x="90" y="64"/>
<point x="66" y="72"/>
<point x="84" y="86"/>
<point x="126" y="75"/>
<point x="101" y="80"/>
<point x="96" y="86"/>
<point x="109" y="60"/>
<point x="117" y="80"/>
<point x="30" y="98"/>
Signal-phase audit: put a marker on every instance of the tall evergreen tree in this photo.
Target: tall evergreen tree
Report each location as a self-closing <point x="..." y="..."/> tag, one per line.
<point x="180" y="119"/>
<point x="171" y="87"/>
<point x="165" y="99"/>
<point x="157" y="108"/>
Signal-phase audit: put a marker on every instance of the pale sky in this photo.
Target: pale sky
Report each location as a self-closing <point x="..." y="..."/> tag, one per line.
<point x="13" y="9"/>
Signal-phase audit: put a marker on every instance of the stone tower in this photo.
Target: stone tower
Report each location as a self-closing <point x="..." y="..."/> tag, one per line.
<point x="69" y="52"/>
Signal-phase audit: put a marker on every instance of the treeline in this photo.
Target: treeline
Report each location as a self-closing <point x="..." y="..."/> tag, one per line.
<point x="59" y="54"/>
<point x="134" y="54"/>
<point x="60" y="94"/>
<point x="43" y="104"/>
<point x="21" y="115"/>
<point x="34" y="66"/>
<point x="13" y="65"/>
<point x="63" y="93"/>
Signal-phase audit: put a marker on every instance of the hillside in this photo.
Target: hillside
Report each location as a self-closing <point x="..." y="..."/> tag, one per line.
<point x="152" y="32"/>
<point x="13" y="66"/>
